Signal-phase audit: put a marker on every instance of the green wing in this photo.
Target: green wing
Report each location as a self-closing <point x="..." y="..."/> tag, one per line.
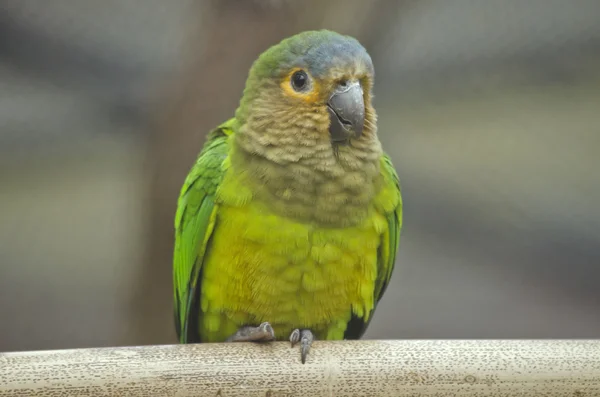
<point x="386" y="256"/>
<point x="391" y="239"/>
<point x="194" y="223"/>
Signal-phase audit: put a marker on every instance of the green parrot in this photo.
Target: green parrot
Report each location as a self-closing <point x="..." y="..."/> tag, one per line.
<point x="288" y="223"/>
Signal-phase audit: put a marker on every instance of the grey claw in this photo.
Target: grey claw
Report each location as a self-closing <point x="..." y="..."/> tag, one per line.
<point x="267" y="329"/>
<point x="295" y="337"/>
<point x="305" y="337"/>
<point x="305" y="343"/>
<point x="263" y="333"/>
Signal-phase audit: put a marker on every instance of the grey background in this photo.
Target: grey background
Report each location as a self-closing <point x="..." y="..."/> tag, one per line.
<point x="490" y="110"/>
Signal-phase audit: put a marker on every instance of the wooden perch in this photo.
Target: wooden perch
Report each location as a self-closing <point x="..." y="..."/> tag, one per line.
<point x="349" y="368"/>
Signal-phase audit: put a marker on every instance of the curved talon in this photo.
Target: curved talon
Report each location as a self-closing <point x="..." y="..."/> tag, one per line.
<point x="306" y="338"/>
<point x="267" y="330"/>
<point x="295" y="337"/>
<point x="263" y="333"/>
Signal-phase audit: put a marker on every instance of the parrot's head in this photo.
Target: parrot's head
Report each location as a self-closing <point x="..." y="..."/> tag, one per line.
<point x="305" y="131"/>
<point x="311" y="90"/>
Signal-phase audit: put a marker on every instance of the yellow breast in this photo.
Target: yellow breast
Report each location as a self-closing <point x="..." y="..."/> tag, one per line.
<point x="262" y="267"/>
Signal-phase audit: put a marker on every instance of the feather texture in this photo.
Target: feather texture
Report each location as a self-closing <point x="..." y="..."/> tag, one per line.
<point x="239" y="263"/>
<point x="274" y="222"/>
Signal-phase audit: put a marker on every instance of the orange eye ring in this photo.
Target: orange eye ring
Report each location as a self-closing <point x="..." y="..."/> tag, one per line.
<point x="308" y="90"/>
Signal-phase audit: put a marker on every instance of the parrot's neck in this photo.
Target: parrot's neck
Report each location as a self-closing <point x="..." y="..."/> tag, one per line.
<point x="315" y="182"/>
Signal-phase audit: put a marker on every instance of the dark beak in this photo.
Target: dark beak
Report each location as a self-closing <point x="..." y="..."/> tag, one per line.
<point x="346" y="112"/>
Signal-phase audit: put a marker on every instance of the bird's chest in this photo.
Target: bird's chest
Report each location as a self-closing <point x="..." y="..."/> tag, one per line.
<point x="263" y="267"/>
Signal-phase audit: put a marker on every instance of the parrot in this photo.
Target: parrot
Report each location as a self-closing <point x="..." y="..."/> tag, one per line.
<point x="288" y="223"/>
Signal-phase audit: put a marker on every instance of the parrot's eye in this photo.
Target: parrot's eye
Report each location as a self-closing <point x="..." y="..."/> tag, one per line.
<point x="299" y="80"/>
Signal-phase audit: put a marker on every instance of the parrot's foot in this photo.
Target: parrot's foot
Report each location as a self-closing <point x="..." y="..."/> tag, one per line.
<point x="262" y="333"/>
<point x="306" y="338"/>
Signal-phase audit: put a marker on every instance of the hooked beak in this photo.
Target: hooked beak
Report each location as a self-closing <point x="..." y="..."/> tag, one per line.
<point x="346" y="109"/>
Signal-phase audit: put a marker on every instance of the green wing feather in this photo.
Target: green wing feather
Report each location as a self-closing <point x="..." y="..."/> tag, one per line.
<point x="194" y="223"/>
<point x="391" y="239"/>
<point x="386" y="256"/>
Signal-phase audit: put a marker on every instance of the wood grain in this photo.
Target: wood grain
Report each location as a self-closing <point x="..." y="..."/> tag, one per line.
<point x="346" y="368"/>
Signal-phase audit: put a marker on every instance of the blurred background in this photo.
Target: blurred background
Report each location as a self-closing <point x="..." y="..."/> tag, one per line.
<point x="489" y="109"/>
